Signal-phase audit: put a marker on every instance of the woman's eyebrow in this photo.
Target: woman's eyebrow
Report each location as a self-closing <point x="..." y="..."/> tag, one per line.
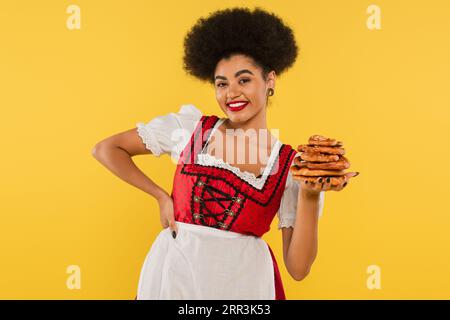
<point x="237" y="74"/>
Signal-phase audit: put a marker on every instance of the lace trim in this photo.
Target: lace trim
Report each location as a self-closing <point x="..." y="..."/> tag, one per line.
<point x="208" y="160"/>
<point x="286" y="222"/>
<point x="321" y="203"/>
<point x="148" y="139"/>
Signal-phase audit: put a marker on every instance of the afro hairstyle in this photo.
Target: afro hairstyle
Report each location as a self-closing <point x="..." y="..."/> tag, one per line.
<point x="257" y="34"/>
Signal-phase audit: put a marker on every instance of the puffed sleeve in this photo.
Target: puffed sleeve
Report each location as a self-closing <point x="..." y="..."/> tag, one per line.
<point x="169" y="133"/>
<point x="288" y="207"/>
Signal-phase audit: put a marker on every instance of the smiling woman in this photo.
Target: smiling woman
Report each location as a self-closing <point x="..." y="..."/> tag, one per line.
<point x="214" y="219"/>
<point x="218" y="206"/>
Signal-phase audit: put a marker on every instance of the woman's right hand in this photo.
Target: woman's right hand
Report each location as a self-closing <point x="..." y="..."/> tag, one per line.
<point x="166" y="214"/>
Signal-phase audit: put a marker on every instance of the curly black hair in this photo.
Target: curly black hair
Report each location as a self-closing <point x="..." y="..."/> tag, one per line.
<point x="257" y="34"/>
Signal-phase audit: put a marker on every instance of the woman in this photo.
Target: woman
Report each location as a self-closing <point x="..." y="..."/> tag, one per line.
<point x="213" y="220"/>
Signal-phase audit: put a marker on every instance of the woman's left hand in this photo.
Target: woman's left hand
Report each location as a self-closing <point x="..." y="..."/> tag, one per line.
<point x="321" y="165"/>
<point x="318" y="184"/>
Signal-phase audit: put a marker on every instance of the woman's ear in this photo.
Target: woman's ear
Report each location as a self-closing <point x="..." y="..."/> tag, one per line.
<point x="271" y="77"/>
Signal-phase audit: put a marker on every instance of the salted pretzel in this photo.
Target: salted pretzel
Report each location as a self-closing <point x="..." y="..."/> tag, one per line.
<point x="341" y="164"/>
<point x="320" y="149"/>
<point x="319" y="140"/>
<point x="320" y="160"/>
<point x="318" y="157"/>
<point x="296" y="170"/>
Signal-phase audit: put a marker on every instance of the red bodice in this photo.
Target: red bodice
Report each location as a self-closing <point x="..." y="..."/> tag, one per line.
<point x="218" y="198"/>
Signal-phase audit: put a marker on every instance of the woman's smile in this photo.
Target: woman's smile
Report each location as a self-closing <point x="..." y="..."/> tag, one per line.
<point x="237" y="106"/>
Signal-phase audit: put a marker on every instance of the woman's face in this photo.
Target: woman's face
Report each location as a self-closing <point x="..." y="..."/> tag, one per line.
<point x="238" y="79"/>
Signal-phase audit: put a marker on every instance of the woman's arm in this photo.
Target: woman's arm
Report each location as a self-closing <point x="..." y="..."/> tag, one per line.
<point x="300" y="242"/>
<point x="115" y="154"/>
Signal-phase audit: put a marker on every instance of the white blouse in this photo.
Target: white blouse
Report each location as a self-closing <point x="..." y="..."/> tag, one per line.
<point x="169" y="134"/>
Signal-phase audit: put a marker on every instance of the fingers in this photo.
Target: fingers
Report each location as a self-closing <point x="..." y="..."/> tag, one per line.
<point x="327" y="184"/>
<point x="315" y="183"/>
<point x="173" y="227"/>
<point x="344" y="183"/>
<point x="334" y="183"/>
<point x="353" y="174"/>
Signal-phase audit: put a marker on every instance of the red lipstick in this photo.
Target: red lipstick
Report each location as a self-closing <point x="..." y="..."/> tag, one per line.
<point x="239" y="105"/>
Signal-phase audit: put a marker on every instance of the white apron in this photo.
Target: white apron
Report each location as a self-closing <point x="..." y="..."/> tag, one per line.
<point x="208" y="264"/>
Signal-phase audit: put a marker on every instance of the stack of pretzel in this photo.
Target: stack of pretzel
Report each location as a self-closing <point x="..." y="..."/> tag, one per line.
<point x="322" y="158"/>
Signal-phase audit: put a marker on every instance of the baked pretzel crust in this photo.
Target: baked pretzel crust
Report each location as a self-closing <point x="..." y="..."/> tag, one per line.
<point x="318" y="157"/>
<point x="341" y="164"/>
<point x="320" y="149"/>
<point x="296" y="170"/>
<point x="319" y="140"/>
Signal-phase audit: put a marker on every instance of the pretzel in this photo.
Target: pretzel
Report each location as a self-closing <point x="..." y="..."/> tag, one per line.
<point x="319" y="140"/>
<point x="296" y="170"/>
<point x="320" y="160"/>
<point x="320" y="149"/>
<point x="318" y="157"/>
<point x="341" y="164"/>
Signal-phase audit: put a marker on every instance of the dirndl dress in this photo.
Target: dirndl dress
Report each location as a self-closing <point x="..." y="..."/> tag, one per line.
<point x="221" y="214"/>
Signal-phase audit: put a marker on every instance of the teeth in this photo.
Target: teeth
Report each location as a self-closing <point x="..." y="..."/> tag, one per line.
<point x="237" y="104"/>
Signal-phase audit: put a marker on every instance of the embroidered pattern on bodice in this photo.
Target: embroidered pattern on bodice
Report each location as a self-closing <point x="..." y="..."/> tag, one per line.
<point x="211" y="192"/>
<point x="206" y="159"/>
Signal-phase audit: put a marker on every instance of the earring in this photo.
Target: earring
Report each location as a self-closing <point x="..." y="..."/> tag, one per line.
<point x="270" y="92"/>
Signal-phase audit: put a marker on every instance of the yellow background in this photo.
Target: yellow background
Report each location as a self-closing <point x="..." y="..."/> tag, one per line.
<point x="384" y="93"/>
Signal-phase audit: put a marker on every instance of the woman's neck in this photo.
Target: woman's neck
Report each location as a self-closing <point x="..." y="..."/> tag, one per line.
<point x="258" y="121"/>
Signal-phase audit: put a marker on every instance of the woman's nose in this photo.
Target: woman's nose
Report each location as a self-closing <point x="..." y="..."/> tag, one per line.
<point x="233" y="92"/>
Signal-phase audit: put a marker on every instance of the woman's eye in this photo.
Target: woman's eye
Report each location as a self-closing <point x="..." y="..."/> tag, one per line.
<point x="220" y="83"/>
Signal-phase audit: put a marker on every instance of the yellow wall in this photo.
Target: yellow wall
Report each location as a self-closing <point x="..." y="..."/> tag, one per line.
<point x="384" y="93"/>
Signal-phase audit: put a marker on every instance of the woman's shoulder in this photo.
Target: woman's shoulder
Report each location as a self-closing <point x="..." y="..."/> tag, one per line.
<point x="190" y="110"/>
<point x="289" y="148"/>
<point x="195" y="113"/>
